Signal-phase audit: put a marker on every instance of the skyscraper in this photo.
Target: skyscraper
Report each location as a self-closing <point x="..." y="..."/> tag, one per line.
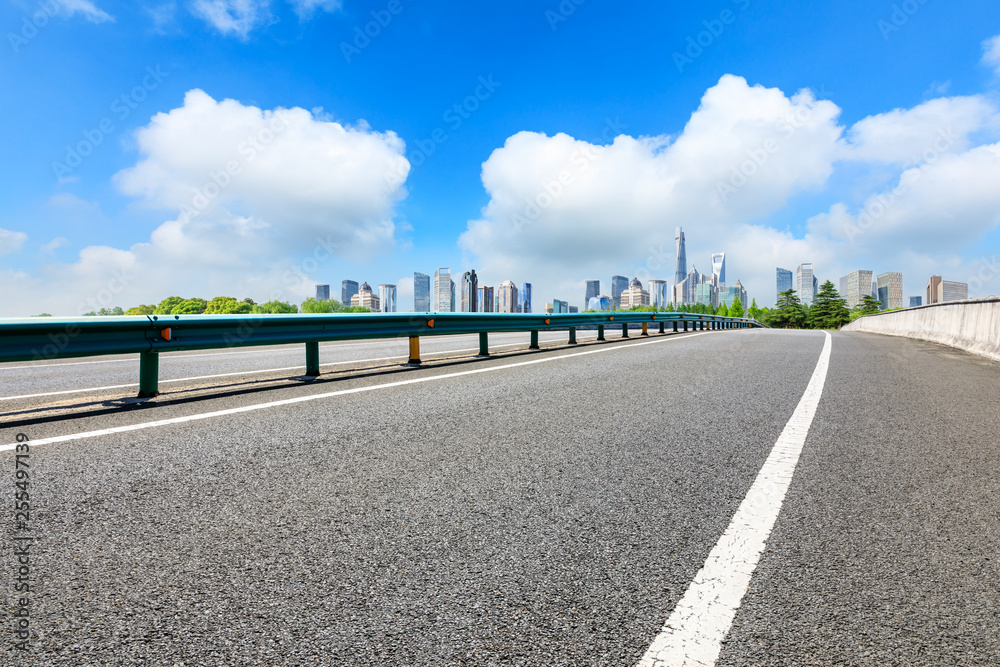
<point x="634" y="296"/>
<point x="387" y="297"/>
<point x="506" y="297"/>
<point x="657" y="293"/>
<point x="890" y="290"/>
<point x="940" y="291"/>
<point x="784" y="280"/>
<point x="680" y="267"/>
<point x="485" y="298"/>
<point x="618" y="285"/>
<point x="524" y="298"/>
<point x="421" y="293"/>
<point x="470" y="283"/>
<point x="805" y="283"/>
<point x="858" y="284"/>
<point x="719" y="268"/>
<point x="348" y="289"/>
<point x="366" y="299"/>
<point x="444" y="291"/>
<point x="916" y="301"/>
<point x="322" y="292"/>
<point x="593" y="289"/>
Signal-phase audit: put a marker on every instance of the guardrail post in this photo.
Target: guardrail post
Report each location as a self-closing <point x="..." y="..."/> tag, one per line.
<point x="675" y="327"/>
<point x="572" y="335"/>
<point x="625" y="330"/>
<point x="662" y="329"/>
<point x="414" y="350"/>
<point x="600" y="332"/>
<point x="149" y="374"/>
<point x="484" y="344"/>
<point x="534" y="340"/>
<point x="645" y="329"/>
<point x="685" y="326"/>
<point x="312" y="359"/>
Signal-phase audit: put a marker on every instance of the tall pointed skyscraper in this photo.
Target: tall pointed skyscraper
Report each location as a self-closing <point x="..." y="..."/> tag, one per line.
<point x="680" y="269"/>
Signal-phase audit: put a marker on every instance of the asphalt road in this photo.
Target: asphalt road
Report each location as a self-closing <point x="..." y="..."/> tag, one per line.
<point x="535" y="508"/>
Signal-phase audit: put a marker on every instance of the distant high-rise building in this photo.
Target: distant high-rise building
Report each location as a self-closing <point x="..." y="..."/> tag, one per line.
<point x="573" y="309"/>
<point x="444" y="291"/>
<point x="719" y="268"/>
<point x="366" y="299"/>
<point x="550" y="308"/>
<point x="737" y="292"/>
<point x="952" y="291"/>
<point x="559" y="306"/>
<point x="680" y="266"/>
<point x="707" y="294"/>
<point x="322" y="292"/>
<point x="635" y="295"/>
<point x="941" y="291"/>
<point x="916" y="301"/>
<point x="600" y="303"/>
<point x="593" y="289"/>
<point x="485" y="298"/>
<point x="524" y="298"/>
<point x="348" y="289"/>
<point x="658" y="293"/>
<point x="469" y="292"/>
<point x="805" y="283"/>
<point x="618" y="285"/>
<point x="856" y="286"/>
<point x="890" y="290"/>
<point x="507" y="297"/>
<point x="784" y="280"/>
<point x="421" y="293"/>
<point x="387" y="298"/>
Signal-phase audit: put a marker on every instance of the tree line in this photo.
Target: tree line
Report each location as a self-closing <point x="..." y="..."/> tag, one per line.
<point x="228" y="305"/>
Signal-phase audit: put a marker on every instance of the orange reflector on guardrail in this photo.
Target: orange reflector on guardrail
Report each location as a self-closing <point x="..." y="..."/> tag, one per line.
<point x="430" y="323"/>
<point x="546" y="321"/>
<point x="165" y="334"/>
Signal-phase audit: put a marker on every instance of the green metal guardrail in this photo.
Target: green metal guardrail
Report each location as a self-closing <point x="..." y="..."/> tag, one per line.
<point x="41" y="338"/>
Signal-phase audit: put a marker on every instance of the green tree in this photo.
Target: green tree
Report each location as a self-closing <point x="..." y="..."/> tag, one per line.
<point x="227" y="305"/>
<point x="43" y="315"/>
<point x="141" y="310"/>
<point x="190" y="307"/>
<point x="723" y="310"/>
<point x="311" y="305"/>
<point x="736" y="308"/>
<point x="829" y="309"/>
<point x="168" y="305"/>
<point x="869" y="305"/>
<point x="274" y="308"/>
<point x="753" y="311"/>
<point x="788" y="313"/>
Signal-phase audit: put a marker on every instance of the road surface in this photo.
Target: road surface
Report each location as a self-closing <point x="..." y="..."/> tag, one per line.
<point x="552" y="507"/>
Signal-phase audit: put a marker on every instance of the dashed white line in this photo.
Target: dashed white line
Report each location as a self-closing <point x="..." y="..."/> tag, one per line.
<point x="332" y="394"/>
<point x="694" y="632"/>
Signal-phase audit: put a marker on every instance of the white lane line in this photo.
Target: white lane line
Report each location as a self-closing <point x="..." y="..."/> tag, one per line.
<point x="694" y="632"/>
<point x="332" y="394"/>
<point x="252" y="372"/>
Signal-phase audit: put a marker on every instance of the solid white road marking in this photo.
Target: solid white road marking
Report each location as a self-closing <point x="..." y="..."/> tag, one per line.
<point x="342" y="392"/>
<point x="694" y="632"/>
<point x="253" y="372"/>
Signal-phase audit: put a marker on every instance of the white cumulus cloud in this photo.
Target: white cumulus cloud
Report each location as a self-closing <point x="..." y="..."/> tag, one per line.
<point x="11" y="241"/>
<point x="991" y="53"/>
<point x="86" y="8"/>
<point x="260" y="201"/>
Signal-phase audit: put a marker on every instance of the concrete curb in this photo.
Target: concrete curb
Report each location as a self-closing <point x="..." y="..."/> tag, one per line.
<point x="972" y="325"/>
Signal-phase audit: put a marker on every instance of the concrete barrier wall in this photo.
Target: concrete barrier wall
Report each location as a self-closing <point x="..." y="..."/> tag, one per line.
<point x="972" y="325"/>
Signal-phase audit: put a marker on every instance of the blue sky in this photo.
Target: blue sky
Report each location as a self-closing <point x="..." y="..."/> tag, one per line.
<point x="577" y="69"/>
